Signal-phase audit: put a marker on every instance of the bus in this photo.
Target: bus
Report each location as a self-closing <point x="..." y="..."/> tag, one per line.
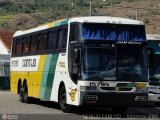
<point x="153" y="41"/>
<point x="82" y="61"/>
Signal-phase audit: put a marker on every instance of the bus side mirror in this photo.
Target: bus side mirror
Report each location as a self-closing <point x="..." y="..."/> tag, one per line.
<point x="76" y="54"/>
<point x="151" y="54"/>
<point x="75" y="63"/>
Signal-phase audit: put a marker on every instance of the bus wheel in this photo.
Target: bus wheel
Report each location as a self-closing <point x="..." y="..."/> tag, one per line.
<point x="25" y="94"/>
<point x="62" y="99"/>
<point x="21" y="96"/>
<point x="119" y="109"/>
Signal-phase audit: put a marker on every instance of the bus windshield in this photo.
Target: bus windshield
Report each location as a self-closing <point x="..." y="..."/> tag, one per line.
<point x="154" y="71"/>
<point x="113" y="32"/>
<point x="123" y="63"/>
<point x="131" y="63"/>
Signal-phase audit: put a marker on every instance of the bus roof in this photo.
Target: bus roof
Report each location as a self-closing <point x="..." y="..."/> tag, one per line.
<point x="42" y="27"/>
<point x="90" y="19"/>
<point x="106" y="19"/>
<point x="153" y="37"/>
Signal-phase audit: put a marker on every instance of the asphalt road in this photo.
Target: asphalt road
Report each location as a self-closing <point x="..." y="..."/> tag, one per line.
<point x="11" y="108"/>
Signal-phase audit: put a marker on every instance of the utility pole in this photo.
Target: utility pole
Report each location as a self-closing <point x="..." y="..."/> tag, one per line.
<point x="90" y="7"/>
<point x="72" y="3"/>
<point x="136" y="14"/>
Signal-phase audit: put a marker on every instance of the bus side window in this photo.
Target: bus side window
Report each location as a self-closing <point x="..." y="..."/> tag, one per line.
<point x="18" y="46"/>
<point x="55" y="39"/>
<point x="40" y="42"/>
<point x="25" y="44"/>
<point x="14" y="46"/>
<point x="42" y="39"/>
<point x="64" y="38"/>
<point x="59" y="40"/>
<point x="50" y="40"/>
<point x="74" y="32"/>
<point x="33" y="43"/>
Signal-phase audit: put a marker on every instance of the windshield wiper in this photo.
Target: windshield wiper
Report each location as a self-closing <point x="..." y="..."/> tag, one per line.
<point x="103" y="74"/>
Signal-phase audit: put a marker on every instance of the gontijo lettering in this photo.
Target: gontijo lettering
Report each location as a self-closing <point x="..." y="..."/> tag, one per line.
<point x="29" y="63"/>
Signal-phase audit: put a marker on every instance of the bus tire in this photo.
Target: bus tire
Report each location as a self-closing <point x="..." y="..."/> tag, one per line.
<point x="62" y="99"/>
<point x="119" y="109"/>
<point x="25" y="94"/>
<point x="21" y="98"/>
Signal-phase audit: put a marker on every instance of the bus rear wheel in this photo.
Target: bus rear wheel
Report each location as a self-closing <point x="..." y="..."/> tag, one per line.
<point x="25" y="97"/>
<point x="21" y="98"/>
<point x="62" y="99"/>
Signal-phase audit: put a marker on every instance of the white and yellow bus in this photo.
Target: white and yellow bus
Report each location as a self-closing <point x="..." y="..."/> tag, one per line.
<point x="153" y="41"/>
<point x="82" y="61"/>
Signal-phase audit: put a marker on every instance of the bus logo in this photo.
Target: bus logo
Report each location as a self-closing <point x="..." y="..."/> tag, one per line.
<point x="72" y="94"/>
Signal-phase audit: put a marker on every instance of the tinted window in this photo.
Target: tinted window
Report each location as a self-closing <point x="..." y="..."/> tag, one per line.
<point x="33" y="43"/>
<point x="14" y="46"/>
<point x="42" y="39"/>
<point x="25" y="44"/>
<point x="74" y="32"/>
<point x="60" y="36"/>
<point x="64" y="38"/>
<point x="18" y="45"/>
<point x="51" y="42"/>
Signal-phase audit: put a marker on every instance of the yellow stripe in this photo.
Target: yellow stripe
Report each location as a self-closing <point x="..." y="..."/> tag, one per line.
<point x="53" y="23"/>
<point x="141" y="85"/>
<point x="37" y="76"/>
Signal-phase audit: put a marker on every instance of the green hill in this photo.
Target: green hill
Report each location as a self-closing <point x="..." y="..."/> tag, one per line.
<point x="24" y="14"/>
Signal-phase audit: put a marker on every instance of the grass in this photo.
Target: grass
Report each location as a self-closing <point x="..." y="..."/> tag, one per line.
<point x="4" y="19"/>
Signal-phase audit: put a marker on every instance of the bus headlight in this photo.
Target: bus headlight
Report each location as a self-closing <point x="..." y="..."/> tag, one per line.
<point x="141" y="89"/>
<point x="83" y="88"/>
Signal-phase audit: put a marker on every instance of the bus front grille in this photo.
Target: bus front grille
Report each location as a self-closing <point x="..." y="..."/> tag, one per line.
<point x="116" y="89"/>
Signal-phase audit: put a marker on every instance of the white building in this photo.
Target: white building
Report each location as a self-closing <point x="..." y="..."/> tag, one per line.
<point x="5" y="52"/>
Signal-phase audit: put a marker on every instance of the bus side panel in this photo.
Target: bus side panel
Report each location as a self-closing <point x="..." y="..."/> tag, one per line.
<point x="13" y="82"/>
<point x="48" y="76"/>
<point x="60" y="75"/>
<point x="36" y="77"/>
<point x="25" y="72"/>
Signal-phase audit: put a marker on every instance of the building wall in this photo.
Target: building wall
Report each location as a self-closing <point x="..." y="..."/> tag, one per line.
<point x="4" y="67"/>
<point x="3" y="50"/>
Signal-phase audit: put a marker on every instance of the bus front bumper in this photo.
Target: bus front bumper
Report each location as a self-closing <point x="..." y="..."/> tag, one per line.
<point x="154" y="97"/>
<point x="113" y="99"/>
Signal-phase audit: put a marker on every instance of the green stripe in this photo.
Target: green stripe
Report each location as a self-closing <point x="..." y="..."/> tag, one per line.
<point x="50" y="77"/>
<point x="44" y="76"/>
<point x="64" y="22"/>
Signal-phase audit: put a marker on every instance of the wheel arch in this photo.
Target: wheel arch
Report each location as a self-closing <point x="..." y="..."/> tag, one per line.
<point x="60" y="86"/>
